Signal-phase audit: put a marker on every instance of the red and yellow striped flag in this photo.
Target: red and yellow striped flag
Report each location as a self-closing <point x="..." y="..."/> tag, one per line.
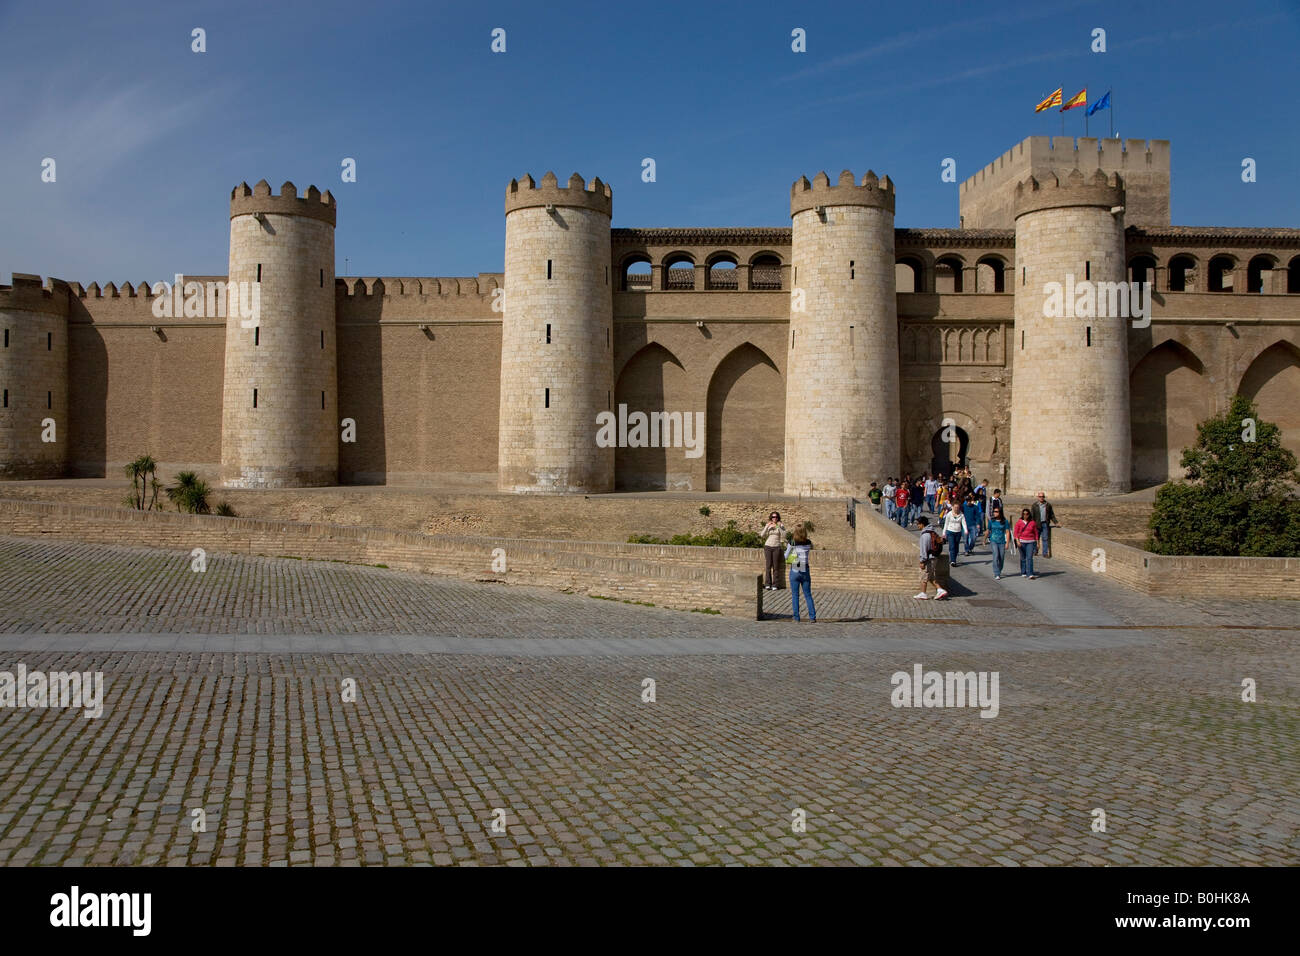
<point x="1053" y="100"/>
<point x="1078" y="99"/>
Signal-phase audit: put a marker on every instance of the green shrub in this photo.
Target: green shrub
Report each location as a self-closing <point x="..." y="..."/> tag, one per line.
<point x="704" y="510"/>
<point x="190" y="494"/>
<point x="1238" y="496"/>
<point x="726" y="537"/>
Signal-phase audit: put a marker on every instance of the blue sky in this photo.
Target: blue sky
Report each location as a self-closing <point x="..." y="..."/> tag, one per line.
<point x="149" y="137"/>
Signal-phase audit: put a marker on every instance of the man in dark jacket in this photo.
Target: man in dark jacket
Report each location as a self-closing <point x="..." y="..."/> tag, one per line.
<point x="1042" y="513"/>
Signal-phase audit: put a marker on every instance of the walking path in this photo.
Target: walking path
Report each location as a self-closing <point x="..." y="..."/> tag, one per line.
<point x="225" y="691"/>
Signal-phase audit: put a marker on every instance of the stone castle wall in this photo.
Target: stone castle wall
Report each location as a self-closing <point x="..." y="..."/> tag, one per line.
<point x="33" y="380"/>
<point x="280" y="397"/>
<point x="841" y="426"/>
<point x="557" y="347"/>
<point x="419" y="360"/>
<point x="987" y="198"/>
<point x="1070" y="403"/>
<point x="419" y="373"/>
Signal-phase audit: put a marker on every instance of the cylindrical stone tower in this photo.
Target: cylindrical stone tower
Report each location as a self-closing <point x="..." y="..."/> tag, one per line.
<point x="1070" y="395"/>
<point x="279" y="422"/>
<point x="557" y="338"/>
<point x="34" y="424"/>
<point x="841" y="394"/>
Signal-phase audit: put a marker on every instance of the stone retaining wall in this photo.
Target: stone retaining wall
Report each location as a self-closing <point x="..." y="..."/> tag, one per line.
<point x="877" y="535"/>
<point x="1181" y="574"/>
<point x="675" y="576"/>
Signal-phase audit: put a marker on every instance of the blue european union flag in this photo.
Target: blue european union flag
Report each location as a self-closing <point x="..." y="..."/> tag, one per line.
<point x="1101" y="104"/>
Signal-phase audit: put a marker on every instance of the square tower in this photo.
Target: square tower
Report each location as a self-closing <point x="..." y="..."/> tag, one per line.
<point x="988" y="197"/>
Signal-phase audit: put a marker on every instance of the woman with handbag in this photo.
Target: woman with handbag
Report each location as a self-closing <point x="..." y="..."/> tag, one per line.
<point x="1025" y="534"/>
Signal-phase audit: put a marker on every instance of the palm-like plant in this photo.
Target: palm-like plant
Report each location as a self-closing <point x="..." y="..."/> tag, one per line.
<point x="179" y="492"/>
<point x="143" y="475"/>
<point x="190" y="494"/>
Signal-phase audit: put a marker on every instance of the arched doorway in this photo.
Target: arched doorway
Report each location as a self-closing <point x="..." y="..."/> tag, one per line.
<point x="1273" y="383"/>
<point x="652" y="381"/>
<point x="948" y="448"/>
<point x="746" y="423"/>
<point x="1167" y="399"/>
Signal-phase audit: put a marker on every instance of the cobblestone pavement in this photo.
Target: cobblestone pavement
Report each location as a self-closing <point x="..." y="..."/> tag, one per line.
<point x="1142" y="720"/>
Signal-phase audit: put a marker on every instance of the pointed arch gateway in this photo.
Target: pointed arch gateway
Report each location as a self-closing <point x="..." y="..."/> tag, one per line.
<point x="1168" y="398"/>
<point x="652" y="380"/>
<point x="745" y="444"/>
<point x="1272" y="382"/>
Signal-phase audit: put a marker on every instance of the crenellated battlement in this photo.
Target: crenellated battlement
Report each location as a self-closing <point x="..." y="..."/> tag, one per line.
<point x="112" y="290"/>
<point x="526" y="193"/>
<point x="313" y="204"/>
<point x="481" y="286"/>
<point x="1046" y="190"/>
<point x="877" y="193"/>
<point x="987" y="199"/>
<point x="29" y="294"/>
<point x="1083" y="153"/>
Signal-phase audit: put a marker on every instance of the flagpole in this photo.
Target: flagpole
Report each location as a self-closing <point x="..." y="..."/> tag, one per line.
<point x="1110" y="108"/>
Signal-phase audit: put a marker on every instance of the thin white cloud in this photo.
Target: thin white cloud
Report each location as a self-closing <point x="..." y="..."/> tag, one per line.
<point x="927" y="35"/>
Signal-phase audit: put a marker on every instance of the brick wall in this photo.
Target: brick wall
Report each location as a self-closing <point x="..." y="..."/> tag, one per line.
<point x="668" y="575"/>
<point x="1175" y="575"/>
<point x="878" y="536"/>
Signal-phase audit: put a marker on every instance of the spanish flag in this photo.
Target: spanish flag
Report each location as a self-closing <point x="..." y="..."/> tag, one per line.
<point x="1078" y="99"/>
<point x="1053" y="100"/>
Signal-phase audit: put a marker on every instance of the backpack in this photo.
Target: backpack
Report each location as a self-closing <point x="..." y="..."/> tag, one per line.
<point x="935" y="547"/>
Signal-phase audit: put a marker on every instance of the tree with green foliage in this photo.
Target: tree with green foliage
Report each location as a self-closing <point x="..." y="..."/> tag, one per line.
<point x="1239" y="495"/>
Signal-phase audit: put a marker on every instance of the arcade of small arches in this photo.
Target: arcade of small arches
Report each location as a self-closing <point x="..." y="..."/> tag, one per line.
<point x="1261" y="273"/>
<point x="950" y="273"/>
<point x="721" y="270"/>
<point x="765" y="271"/>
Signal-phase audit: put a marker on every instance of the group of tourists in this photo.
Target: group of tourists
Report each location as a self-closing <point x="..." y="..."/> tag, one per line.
<point x="965" y="511"/>
<point x="796" y="546"/>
